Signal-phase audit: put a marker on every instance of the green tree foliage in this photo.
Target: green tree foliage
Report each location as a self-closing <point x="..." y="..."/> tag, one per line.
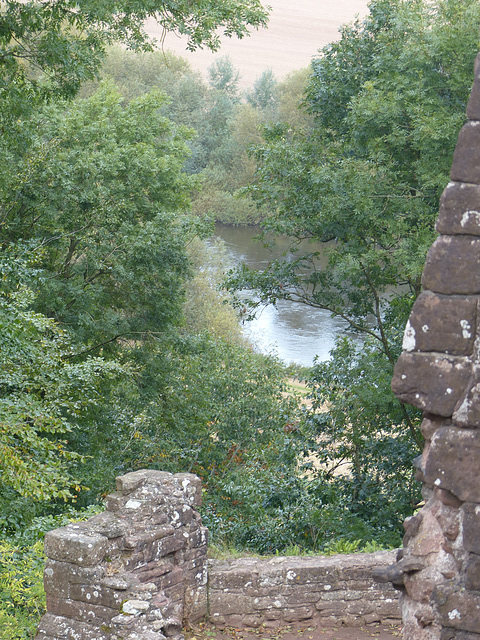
<point x="22" y="599"/>
<point x="42" y="393"/>
<point x="388" y="100"/>
<point x="265" y="92"/>
<point x="50" y="48"/>
<point x="100" y="204"/>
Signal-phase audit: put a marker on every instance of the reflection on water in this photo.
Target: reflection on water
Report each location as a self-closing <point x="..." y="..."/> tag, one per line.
<point x="295" y="332"/>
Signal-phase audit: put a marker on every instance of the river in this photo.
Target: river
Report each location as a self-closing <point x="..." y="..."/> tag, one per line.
<point x="293" y="331"/>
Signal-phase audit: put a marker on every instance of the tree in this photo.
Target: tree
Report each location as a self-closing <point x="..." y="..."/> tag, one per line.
<point x="50" y="48"/>
<point x="42" y="392"/>
<point x="100" y="205"/>
<point x="265" y="92"/>
<point x="388" y="100"/>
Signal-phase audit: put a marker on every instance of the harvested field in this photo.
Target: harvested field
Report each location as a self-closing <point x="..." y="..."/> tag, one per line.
<point x="295" y="33"/>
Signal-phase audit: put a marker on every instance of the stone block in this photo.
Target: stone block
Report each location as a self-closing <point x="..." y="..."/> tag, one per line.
<point x="97" y="594"/>
<point x="175" y="593"/>
<point x="252" y="622"/>
<point x="81" y="611"/>
<point x="466" y="158"/>
<point x="471" y="527"/>
<point x="225" y="603"/>
<point x="194" y="565"/>
<point x="198" y="538"/>
<point x="457" y="608"/>
<point x="231" y="579"/>
<point x="115" y="501"/>
<point x="107" y="524"/>
<point x="236" y="621"/>
<point x="152" y="571"/>
<point x="298" y="613"/>
<point x="268" y="602"/>
<point x="52" y="626"/>
<point x="73" y="545"/>
<point x="452" y="462"/>
<point x="298" y="597"/>
<point x="472" y="572"/>
<point x="442" y="323"/>
<point x="330" y="607"/>
<point x="129" y="482"/>
<point x="431" y="382"/>
<point x="140" y="539"/>
<point x="310" y="573"/>
<point x="454" y="634"/>
<point x="191" y="487"/>
<point x="459" y="210"/>
<point x="452" y="266"/>
<point x="59" y="576"/>
<point x="171" y="578"/>
<point x="169" y="545"/>
<point x="467" y="410"/>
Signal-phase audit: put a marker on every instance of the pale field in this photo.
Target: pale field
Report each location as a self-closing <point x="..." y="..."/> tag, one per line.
<point x="297" y="30"/>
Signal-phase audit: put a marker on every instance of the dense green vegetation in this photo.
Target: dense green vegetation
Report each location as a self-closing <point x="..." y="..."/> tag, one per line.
<point x="387" y="102"/>
<point x="117" y="349"/>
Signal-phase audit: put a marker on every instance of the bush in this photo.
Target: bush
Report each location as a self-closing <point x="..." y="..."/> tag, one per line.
<point x="22" y="599"/>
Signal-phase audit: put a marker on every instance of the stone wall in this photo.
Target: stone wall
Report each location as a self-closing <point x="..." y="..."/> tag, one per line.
<point x="138" y="571"/>
<point x="330" y="590"/>
<point x="439" y="372"/>
<point x="135" y="571"/>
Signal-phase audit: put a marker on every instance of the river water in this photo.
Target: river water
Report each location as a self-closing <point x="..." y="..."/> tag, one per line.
<point x="293" y="331"/>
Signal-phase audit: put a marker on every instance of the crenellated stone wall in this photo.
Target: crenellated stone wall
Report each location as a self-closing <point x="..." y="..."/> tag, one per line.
<point x="135" y="571"/>
<point x="438" y="571"/>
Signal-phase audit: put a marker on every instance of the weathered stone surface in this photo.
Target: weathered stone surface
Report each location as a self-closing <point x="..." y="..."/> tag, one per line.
<point x="325" y="588"/>
<point x="457" y="607"/>
<point x="81" y="611"/>
<point x="431" y="423"/>
<point x="452" y="462"/>
<point x="459" y="210"/>
<point x="299" y="613"/>
<point x="431" y="382"/>
<point x="466" y="158"/>
<point x="472" y="572"/>
<point x="442" y="600"/>
<point x="227" y="603"/>
<point x="471" y="527"/>
<point x="141" y="539"/>
<point x="448" y="499"/>
<point x="71" y="544"/>
<point x="452" y="266"/>
<point x="52" y="626"/>
<point x="190" y="486"/>
<point x="454" y="634"/>
<point x="467" y="410"/>
<point x="108" y="525"/>
<point x="441" y="323"/>
<point x="131" y="578"/>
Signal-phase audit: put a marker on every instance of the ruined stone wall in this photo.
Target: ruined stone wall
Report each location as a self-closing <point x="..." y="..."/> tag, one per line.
<point x="439" y="372"/>
<point x="333" y="590"/>
<point x="135" y="571"/>
<point x="139" y="571"/>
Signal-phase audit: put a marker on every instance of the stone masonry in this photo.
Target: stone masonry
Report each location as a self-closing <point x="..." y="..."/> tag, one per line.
<point x="138" y="571"/>
<point x="333" y="590"/>
<point x="134" y="572"/>
<point x="438" y="571"/>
